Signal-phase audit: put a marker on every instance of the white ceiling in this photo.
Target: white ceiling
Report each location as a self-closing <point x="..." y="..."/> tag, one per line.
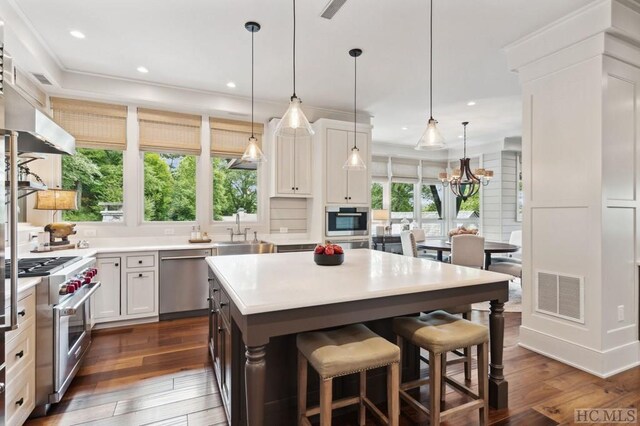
<point x="202" y="44"/>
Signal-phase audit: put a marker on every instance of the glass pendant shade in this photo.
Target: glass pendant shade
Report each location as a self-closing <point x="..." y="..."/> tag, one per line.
<point x="294" y="123"/>
<point x="431" y="138"/>
<point x="354" y="161"/>
<point x="253" y="153"/>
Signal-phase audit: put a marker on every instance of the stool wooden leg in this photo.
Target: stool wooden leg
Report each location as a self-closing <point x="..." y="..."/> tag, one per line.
<point x="302" y="387"/>
<point x="467" y="354"/>
<point x="483" y="382"/>
<point x="443" y="387"/>
<point x="325" y="401"/>
<point x="362" y="411"/>
<point x="393" y="394"/>
<point x="435" y="376"/>
<point x="400" y="344"/>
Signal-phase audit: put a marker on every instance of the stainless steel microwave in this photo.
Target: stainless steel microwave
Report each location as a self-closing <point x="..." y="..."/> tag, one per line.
<point x="345" y="221"/>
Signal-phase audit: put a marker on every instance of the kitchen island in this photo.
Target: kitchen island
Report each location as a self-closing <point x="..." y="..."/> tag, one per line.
<point x="260" y="302"/>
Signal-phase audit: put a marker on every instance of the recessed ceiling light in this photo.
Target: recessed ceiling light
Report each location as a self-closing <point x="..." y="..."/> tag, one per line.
<point x="471" y="103"/>
<point x="231" y="85"/>
<point x="77" y="34"/>
<point x="143" y="70"/>
<point x="405" y="128"/>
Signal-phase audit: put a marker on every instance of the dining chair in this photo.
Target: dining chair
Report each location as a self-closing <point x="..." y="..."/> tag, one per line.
<point x="409" y="248"/>
<point x="467" y="250"/>
<point x="515" y="238"/>
<point x="420" y="236"/>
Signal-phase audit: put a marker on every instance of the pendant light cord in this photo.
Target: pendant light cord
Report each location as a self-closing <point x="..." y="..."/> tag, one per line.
<point x="464" y="150"/>
<point x="294" y="48"/>
<point x="252" y="36"/>
<point x="355" y="93"/>
<point x="431" y="61"/>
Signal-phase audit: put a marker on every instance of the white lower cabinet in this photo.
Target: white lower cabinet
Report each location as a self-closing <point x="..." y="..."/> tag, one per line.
<point x="129" y="289"/>
<point x="106" y="301"/>
<point x="141" y="293"/>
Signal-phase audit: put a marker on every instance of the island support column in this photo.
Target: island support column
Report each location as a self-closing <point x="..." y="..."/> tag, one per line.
<point x="498" y="386"/>
<point x="255" y="372"/>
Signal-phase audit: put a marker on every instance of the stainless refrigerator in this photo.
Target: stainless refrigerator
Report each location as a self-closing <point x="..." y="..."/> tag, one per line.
<point x="25" y="129"/>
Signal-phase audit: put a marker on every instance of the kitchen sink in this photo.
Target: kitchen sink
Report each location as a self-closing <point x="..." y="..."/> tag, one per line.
<point x="243" y="247"/>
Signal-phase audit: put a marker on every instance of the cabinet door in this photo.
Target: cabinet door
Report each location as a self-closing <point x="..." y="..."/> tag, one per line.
<point x="106" y="300"/>
<point x="357" y="180"/>
<point x="337" y="141"/>
<point x="226" y="384"/>
<point x="141" y="293"/>
<point x="285" y="170"/>
<point x="302" y="165"/>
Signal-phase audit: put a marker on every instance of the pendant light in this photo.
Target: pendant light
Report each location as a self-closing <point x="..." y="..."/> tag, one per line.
<point x="465" y="183"/>
<point x="294" y="123"/>
<point x="253" y="153"/>
<point x="354" y="161"/>
<point x="431" y="138"/>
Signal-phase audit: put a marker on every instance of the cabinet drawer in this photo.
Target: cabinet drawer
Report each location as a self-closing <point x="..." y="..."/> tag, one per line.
<point x="20" y="397"/>
<point x="26" y="313"/>
<point x="20" y="351"/>
<point x="224" y="306"/>
<point x="145" y="261"/>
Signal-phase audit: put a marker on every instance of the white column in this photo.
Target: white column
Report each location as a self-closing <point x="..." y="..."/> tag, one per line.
<point x="581" y="129"/>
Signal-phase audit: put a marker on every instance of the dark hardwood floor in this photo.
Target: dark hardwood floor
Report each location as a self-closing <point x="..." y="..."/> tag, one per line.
<point x="159" y="374"/>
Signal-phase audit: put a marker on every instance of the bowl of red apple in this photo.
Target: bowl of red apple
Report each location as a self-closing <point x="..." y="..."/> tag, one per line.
<point x="328" y="255"/>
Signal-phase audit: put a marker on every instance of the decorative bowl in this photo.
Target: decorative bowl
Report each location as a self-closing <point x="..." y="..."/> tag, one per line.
<point x="328" y="260"/>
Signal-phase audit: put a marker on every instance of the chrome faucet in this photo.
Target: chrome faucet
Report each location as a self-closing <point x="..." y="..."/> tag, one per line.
<point x="233" y="232"/>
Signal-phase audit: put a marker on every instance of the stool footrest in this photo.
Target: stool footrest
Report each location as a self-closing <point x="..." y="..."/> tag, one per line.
<point x="375" y="410"/>
<point x="469" y="406"/>
<point x="460" y="387"/>
<point x="338" y="403"/>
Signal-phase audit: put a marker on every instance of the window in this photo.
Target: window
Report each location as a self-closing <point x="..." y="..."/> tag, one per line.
<point x="432" y="211"/>
<point x="376" y="196"/>
<point x="96" y="174"/>
<point x="468" y="212"/>
<point x="402" y="202"/>
<point x="169" y="187"/>
<point x="234" y="190"/>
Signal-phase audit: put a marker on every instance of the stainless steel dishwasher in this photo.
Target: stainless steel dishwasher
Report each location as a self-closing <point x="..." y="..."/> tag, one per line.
<point x="183" y="283"/>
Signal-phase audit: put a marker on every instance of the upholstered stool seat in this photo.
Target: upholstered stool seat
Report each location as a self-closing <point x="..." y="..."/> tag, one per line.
<point x="440" y="332"/>
<point x="349" y="350"/>
<point x="346" y="351"/>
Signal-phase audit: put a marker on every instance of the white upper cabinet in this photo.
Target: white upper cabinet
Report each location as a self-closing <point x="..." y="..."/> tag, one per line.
<point x="291" y="166"/>
<point x="342" y="186"/>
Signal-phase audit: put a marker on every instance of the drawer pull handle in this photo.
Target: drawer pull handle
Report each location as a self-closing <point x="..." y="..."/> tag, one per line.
<point x="116" y="265"/>
<point x="20" y="402"/>
<point x="22" y="312"/>
<point x="139" y="275"/>
<point x="214" y="290"/>
<point x="20" y="354"/>
<point x="140" y="262"/>
<point x="223" y="304"/>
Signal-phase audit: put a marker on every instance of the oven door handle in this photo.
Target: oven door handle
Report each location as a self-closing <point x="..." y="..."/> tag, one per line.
<point x="349" y="214"/>
<point x="72" y="310"/>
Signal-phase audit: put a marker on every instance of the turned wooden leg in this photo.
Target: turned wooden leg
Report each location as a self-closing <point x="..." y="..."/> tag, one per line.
<point x="325" y="401"/>
<point x="393" y="394"/>
<point x="435" y="376"/>
<point x="498" y="386"/>
<point x="254" y="376"/>
<point x="467" y="353"/>
<point x="302" y="387"/>
<point x="362" y="411"/>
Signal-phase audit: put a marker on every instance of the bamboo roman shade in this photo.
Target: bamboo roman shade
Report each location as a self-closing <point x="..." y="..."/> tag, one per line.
<point x="405" y="169"/>
<point x="379" y="167"/>
<point x="93" y="124"/>
<point x="229" y="138"/>
<point x="166" y="131"/>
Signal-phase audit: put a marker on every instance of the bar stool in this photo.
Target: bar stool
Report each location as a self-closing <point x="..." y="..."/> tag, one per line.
<point x="439" y="332"/>
<point x="348" y="350"/>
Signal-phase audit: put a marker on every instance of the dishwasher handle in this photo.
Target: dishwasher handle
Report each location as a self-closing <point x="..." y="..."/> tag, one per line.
<point x="183" y="257"/>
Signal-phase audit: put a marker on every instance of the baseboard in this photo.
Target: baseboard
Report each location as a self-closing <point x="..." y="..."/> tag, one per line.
<point x="602" y="364"/>
<point x="124" y="323"/>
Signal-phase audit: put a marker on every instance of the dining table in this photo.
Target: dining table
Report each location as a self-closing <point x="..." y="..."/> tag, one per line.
<point x="490" y="247"/>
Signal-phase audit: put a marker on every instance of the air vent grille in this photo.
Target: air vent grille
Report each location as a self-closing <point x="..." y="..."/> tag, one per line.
<point x="42" y="79"/>
<point x="332" y="8"/>
<point x="560" y="295"/>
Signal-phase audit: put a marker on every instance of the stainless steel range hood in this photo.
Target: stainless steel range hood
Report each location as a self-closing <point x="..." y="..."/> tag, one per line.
<point x="37" y="132"/>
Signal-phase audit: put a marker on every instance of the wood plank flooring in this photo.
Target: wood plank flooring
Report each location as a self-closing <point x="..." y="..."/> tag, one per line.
<point x="159" y="374"/>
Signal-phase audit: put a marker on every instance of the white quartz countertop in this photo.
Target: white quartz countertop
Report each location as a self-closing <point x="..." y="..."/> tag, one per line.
<point x="281" y="281"/>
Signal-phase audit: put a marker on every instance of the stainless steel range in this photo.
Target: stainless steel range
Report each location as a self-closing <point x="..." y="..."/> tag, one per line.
<point x="63" y="325"/>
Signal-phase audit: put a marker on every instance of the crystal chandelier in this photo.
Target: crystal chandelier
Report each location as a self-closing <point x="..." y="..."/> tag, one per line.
<point x="463" y="182"/>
